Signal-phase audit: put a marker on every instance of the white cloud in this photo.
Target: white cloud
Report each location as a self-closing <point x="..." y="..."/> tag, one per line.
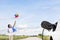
<point x="28" y="32"/>
<point x="22" y="26"/>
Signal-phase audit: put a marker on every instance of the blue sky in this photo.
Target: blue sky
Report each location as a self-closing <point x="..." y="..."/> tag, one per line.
<point x="32" y="13"/>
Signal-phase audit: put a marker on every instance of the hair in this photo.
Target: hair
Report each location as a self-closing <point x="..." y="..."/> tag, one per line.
<point x="55" y="25"/>
<point x="9" y="26"/>
<point x="47" y="25"/>
<point x="51" y="38"/>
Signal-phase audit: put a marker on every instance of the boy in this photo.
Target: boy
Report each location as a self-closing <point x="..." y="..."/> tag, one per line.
<point x="11" y="29"/>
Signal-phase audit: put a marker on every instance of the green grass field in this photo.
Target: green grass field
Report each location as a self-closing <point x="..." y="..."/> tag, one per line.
<point x="44" y="37"/>
<point x="4" y="37"/>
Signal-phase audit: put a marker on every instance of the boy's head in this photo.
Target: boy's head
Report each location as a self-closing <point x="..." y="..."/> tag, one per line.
<point x="9" y="26"/>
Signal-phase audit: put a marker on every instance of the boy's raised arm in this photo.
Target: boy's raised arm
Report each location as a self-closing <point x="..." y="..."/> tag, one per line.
<point x="14" y="23"/>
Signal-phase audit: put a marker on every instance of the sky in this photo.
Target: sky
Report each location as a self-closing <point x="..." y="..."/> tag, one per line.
<point x="31" y="14"/>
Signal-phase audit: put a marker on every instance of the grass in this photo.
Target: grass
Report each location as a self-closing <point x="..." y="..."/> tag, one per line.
<point x="44" y="37"/>
<point x="20" y="37"/>
<point x="4" y="37"/>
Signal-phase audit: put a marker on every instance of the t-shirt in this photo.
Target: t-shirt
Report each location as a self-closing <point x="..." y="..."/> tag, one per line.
<point x="11" y="30"/>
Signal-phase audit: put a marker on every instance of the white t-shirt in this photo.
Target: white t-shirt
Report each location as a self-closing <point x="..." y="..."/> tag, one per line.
<point x="10" y="31"/>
